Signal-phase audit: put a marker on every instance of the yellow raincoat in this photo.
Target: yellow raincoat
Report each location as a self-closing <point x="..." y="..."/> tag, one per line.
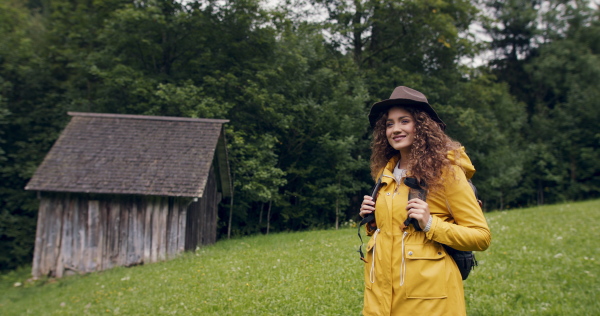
<point x="408" y="272"/>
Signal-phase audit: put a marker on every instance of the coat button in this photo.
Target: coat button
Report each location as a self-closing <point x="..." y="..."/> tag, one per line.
<point x="410" y="253"/>
<point x="388" y="193"/>
<point x="439" y="253"/>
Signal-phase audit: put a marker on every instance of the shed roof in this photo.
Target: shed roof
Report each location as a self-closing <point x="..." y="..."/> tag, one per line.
<point x="134" y="154"/>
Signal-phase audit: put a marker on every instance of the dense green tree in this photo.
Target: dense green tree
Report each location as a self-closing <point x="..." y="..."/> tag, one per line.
<point x="549" y="59"/>
<point x="404" y="42"/>
<point x="31" y="96"/>
<point x="514" y="32"/>
<point x="567" y="74"/>
<point x="312" y="99"/>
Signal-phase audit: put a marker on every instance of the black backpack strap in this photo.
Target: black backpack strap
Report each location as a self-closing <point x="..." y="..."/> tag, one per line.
<point x="476" y="195"/>
<point x="367" y="219"/>
<point x="364" y="221"/>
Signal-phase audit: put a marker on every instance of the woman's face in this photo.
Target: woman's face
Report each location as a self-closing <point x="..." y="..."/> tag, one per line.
<point x="400" y="129"/>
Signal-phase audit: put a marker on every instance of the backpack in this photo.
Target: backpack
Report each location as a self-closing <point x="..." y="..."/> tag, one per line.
<point x="465" y="260"/>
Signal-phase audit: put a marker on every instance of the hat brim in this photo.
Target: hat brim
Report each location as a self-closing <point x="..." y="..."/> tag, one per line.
<point x="382" y="106"/>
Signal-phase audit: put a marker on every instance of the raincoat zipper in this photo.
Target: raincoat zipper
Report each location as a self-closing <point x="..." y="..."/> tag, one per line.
<point x="403" y="263"/>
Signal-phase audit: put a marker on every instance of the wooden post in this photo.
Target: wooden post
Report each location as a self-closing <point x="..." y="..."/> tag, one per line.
<point x="148" y="230"/>
<point x="231" y="216"/>
<point x="172" y="228"/>
<point x="39" y="239"/>
<point x="132" y="233"/>
<point x="66" y="247"/>
<point x="162" y="228"/>
<point x="125" y="210"/>
<point x="95" y="232"/>
<point x="56" y="234"/>
<point x="181" y="231"/>
<point x="139" y="237"/>
<point x="155" y="227"/>
<point x="76" y="246"/>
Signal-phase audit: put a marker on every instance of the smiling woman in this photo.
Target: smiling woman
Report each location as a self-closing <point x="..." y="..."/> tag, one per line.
<point x="407" y="268"/>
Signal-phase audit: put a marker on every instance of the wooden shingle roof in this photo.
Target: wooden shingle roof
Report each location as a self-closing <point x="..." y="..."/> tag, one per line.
<point x="134" y="154"/>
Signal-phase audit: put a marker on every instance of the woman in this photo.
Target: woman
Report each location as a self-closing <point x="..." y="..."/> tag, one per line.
<point x="407" y="270"/>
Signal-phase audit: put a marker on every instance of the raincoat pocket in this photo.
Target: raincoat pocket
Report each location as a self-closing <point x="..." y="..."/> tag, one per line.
<point x="425" y="274"/>
<point x="370" y="264"/>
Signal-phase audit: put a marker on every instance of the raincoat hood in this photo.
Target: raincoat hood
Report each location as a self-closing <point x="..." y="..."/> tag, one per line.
<point x="459" y="157"/>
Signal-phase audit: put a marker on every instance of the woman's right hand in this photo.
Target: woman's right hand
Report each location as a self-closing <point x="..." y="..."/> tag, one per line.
<point x="367" y="207"/>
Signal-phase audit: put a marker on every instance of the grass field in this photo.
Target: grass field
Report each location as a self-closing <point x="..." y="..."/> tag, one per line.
<point x="543" y="261"/>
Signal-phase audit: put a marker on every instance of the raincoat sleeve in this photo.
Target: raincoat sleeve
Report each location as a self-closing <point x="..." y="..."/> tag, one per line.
<point x="470" y="231"/>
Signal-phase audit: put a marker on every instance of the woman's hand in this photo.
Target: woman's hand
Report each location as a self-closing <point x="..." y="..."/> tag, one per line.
<point x="367" y="207"/>
<point x="419" y="210"/>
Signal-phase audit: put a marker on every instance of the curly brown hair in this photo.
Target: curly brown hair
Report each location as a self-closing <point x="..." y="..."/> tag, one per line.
<point x="428" y="156"/>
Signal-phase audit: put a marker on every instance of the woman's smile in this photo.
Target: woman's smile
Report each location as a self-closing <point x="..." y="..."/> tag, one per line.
<point x="398" y="137"/>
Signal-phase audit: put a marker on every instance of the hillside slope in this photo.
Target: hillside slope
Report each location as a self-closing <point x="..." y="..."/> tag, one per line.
<point x="543" y="260"/>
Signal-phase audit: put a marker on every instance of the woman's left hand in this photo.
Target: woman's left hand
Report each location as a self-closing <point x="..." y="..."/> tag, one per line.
<point x="419" y="210"/>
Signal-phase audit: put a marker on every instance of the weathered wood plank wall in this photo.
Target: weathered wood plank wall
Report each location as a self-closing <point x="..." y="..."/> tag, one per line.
<point x="202" y="216"/>
<point x="82" y="233"/>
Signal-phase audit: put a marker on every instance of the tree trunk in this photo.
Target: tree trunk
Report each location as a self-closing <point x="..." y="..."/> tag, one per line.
<point x="573" y="168"/>
<point x="337" y="213"/>
<point x="540" y="191"/>
<point x="230" y="216"/>
<point x="357" y="32"/>
<point x="269" y="217"/>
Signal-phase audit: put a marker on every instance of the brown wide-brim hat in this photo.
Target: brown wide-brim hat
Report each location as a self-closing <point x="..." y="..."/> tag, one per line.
<point x="404" y="96"/>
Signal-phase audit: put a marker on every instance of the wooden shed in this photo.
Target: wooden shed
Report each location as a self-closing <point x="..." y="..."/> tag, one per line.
<point x="121" y="190"/>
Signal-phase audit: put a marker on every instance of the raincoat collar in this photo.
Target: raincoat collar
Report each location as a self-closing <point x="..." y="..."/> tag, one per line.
<point x="387" y="173"/>
<point x="457" y="157"/>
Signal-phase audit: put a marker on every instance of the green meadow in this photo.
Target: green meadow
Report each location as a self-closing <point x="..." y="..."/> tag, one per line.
<point x="543" y="261"/>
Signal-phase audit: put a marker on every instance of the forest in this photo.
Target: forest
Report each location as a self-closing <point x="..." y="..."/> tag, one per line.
<point x="516" y="82"/>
